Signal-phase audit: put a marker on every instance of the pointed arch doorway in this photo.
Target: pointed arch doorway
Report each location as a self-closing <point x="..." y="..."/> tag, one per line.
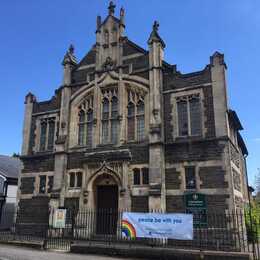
<point x="106" y="197"/>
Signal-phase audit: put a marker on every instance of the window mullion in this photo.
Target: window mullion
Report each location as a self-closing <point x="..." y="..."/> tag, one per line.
<point x="47" y="136"/>
<point x="135" y="117"/>
<point x="189" y="117"/>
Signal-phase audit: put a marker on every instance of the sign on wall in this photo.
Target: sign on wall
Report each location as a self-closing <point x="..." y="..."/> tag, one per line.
<point x="59" y="218"/>
<point x="157" y="225"/>
<point x="196" y="205"/>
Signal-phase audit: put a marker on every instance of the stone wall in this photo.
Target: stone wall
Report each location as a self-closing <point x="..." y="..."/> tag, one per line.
<point x="33" y="216"/>
<point x="217" y="203"/>
<point x="139" y="204"/>
<point x="27" y="185"/>
<point x="38" y="163"/>
<point x="175" y="204"/>
<point x="172" y="179"/>
<point x="212" y="177"/>
<point x="168" y="115"/>
<point x="188" y="150"/>
<point x="209" y="112"/>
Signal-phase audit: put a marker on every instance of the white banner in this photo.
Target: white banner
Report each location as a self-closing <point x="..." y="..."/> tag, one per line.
<point x="157" y="225"/>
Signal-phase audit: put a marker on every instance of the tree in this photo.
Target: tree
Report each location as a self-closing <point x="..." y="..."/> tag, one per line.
<point x="257" y="180"/>
<point x="16" y="155"/>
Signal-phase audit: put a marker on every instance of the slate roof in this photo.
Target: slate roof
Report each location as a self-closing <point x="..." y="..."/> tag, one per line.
<point x="10" y="166"/>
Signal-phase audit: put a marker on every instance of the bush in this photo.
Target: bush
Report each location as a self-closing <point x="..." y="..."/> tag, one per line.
<point x="253" y="229"/>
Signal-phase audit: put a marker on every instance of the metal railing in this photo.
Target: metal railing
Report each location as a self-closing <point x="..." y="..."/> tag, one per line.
<point x="212" y="231"/>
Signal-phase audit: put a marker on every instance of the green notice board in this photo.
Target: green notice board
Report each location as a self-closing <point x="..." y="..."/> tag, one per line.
<point x="196" y="205"/>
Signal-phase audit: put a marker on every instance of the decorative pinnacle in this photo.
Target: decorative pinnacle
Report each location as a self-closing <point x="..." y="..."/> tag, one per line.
<point x="111" y="8"/>
<point x="71" y="49"/>
<point x="122" y="11"/>
<point x="69" y="57"/>
<point x="155" y="26"/>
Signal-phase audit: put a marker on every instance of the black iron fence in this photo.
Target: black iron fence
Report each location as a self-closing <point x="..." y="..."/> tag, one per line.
<point x="212" y="231"/>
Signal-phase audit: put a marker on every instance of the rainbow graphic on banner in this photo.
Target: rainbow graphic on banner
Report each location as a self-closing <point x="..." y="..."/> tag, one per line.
<point x="128" y="229"/>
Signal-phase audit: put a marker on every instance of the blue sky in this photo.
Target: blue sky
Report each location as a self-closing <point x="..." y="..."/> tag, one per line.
<point x="36" y="34"/>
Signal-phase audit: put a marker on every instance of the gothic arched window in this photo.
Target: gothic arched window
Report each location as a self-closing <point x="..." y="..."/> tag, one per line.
<point x="81" y="127"/>
<point x="114" y="120"/>
<point x="89" y="127"/>
<point x="140" y="120"/>
<point x="43" y="135"/>
<point x="51" y="134"/>
<point x="131" y="121"/>
<point x="105" y="121"/>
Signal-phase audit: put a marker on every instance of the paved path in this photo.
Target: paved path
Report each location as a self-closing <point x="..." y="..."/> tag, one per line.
<point x="20" y="253"/>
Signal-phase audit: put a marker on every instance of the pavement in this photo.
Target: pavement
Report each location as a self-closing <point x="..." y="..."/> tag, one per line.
<point x="20" y="253"/>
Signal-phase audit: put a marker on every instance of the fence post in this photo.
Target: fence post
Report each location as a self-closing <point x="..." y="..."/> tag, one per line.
<point x="72" y="222"/>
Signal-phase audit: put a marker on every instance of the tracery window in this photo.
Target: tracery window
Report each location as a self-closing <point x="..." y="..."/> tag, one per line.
<point x="114" y="120"/>
<point x="85" y="122"/>
<point x="110" y="114"/>
<point x="105" y="121"/>
<point x="131" y="121"/>
<point x="81" y="127"/>
<point x="189" y="115"/>
<point x="47" y="134"/>
<point x="140" y="121"/>
<point x="135" y="117"/>
<point x="43" y="135"/>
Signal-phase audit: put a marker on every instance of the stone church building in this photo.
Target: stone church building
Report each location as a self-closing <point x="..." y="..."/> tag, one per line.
<point x="127" y="130"/>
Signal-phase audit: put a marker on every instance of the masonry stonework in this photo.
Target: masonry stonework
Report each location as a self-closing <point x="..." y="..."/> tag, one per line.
<point x="128" y="123"/>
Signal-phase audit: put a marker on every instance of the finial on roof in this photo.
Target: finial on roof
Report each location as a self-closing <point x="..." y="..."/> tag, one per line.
<point x="71" y="49"/>
<point x="69" y="57"/>
<point x="111" y="8"/>
<point x="154" y="36"/>
<point x="155" y="26"/>
<point x="122" y="11"/>
<point x="122" y="15"/>
<point x="98" y="22"/>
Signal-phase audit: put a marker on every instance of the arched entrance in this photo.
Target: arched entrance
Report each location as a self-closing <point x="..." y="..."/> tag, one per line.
<point x="106" y="201"/>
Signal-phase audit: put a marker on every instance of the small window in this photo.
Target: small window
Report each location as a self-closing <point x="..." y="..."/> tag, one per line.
<point x="72" y="179"/>
<point x="141" y="176"/>
<point x="79" y="179"/>
<point x="190" y="178"/>
<point x="42" y="187"/>
<point x="50" y="184"/>
<point x="145" y="172"/>
<point x="75" y="180"/>
<point x="137" y="177"/>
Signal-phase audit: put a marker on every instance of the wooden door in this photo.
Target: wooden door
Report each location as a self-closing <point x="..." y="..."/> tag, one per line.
<point x="107" y="209"/>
